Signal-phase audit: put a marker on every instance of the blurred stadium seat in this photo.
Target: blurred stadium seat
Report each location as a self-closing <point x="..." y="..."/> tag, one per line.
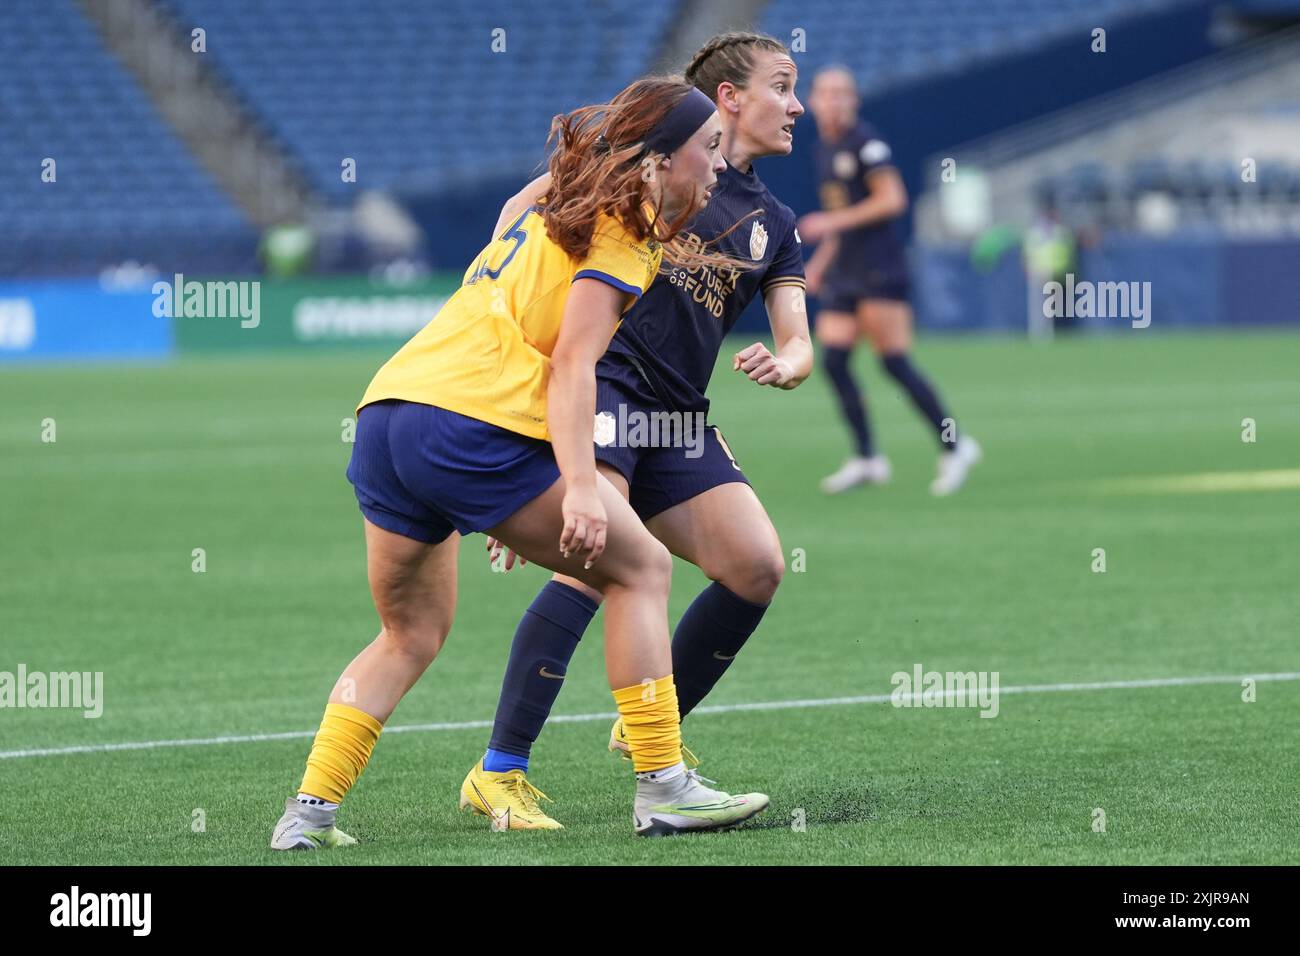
<point x="440" y="123"/>
<point x="395" y="86"/>
<point x="891" y="41"/>
<point x="1213" y="138"/>
<point x="125" y="187"/>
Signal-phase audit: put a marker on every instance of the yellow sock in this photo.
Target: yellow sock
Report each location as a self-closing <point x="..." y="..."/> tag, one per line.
<point x="341" y="751"/>
<point x="651" y="723"/>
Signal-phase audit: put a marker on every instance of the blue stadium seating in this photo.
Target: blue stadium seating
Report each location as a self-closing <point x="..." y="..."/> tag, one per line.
<point x="125" y="188"/>
<point x="413" y="91"/>
<point x="1206" y="189"/>
<point x="890" y="41"/>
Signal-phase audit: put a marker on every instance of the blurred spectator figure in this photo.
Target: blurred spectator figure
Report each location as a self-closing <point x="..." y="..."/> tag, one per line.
<point x="287" y="250"/>
<point x="1049" y="252"/>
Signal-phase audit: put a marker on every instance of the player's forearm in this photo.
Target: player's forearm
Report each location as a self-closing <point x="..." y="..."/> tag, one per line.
<point x="787" y="310"/>
<point x="796" y="351"/>
<point x="570" y="411"/>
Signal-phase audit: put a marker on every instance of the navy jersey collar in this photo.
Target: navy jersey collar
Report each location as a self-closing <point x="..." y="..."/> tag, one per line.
<point x="735" y="179"/>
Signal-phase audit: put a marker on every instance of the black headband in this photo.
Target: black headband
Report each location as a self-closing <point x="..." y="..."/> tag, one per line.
<point x="681" y="122"/>
<point x="674" y="129"/>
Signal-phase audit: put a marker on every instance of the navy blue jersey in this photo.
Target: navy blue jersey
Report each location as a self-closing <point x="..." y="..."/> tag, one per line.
<point x="843" y="168"/>
<point x="669" y="341"/>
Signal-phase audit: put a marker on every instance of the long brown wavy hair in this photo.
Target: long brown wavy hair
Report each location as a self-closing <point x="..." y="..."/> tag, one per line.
<point x="597" y="167"/>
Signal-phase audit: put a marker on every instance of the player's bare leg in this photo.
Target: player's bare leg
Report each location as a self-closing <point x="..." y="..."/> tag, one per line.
<point x="727" y="534"/>
<point x="619" y="483"/>
<point x="413" y="584"/>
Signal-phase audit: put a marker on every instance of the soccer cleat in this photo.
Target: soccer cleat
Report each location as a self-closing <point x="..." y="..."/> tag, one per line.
<point x="955" y="465"/>
<point x="685" y="805"/>
<point x="619" y="745"/>
<point x="307" y="828"/>
<point x="857" y="471"/>
<point x="507" y="799"/>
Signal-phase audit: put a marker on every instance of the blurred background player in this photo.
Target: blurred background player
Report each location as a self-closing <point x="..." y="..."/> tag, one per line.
<point x="660" y="360"/>
<point x="482" y="422"/>
<point x="859" y="274"/>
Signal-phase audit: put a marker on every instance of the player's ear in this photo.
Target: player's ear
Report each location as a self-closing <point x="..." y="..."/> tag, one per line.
<point x="727" y="98"/>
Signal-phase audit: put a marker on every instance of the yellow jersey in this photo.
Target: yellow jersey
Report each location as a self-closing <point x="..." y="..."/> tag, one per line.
<point x="486" y="354"/>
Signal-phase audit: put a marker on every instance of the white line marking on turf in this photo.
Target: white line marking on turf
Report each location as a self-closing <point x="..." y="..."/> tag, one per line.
<point x="1278" y="479"/>
<point x="708" y="709"/>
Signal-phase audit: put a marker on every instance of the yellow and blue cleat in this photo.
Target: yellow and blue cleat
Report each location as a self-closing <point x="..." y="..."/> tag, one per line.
<point x="507" y="799"/>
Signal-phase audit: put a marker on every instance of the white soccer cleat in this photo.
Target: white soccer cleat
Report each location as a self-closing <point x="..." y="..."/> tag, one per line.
<point x="307" y="828"/>
<point x="858" y="471"/>
<point x="955" y="465"/>
<point x="683" y="804"/>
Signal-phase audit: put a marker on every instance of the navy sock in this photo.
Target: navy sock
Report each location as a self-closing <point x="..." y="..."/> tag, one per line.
<point x="900" y="368"/>
<point x="710" y="633"/>
<point x="539" y="656"/>
<point x="836" y="363"/>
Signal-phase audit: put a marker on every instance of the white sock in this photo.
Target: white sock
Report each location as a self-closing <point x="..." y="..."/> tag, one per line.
<point x="311" y="801"/>
<point x="666" y="775"/>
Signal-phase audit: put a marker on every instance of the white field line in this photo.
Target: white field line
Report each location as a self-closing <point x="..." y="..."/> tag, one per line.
<point x="709" y="709"/>
<point x="1278" y="479"/>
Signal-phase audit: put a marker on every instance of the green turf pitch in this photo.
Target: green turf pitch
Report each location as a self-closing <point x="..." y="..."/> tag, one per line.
<point x="244" y="459"/>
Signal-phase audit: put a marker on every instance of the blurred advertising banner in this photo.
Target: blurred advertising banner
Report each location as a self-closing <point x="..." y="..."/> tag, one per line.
<point x="78" y="319"/>
<point x="319" y="312"/>
<point x="72" y="320"/>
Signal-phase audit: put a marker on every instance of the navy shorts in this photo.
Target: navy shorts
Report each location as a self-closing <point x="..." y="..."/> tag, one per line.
<point x="843" y="293"/>
<point x="422" y="471"/>
<point x="666" y="458"/>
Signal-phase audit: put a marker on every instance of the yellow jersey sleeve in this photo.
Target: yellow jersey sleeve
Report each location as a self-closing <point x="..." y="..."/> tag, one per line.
<point x="618" y="258"/>
<point x="486" y="354"/>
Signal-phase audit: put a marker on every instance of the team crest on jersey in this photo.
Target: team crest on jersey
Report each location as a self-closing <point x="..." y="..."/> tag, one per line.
<point x="845" y="164"/>
<point x="874" y="152"/>
<point x="606" y="429"/>
<point x="757" y="241"/>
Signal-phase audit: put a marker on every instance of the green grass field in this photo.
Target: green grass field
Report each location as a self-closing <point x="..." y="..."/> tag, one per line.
<point x="243" y="458"/>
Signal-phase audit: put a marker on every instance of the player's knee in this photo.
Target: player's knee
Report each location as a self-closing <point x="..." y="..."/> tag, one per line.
<point x="645" y="567"/>
<point x="419" y="637"/>
<point x="756" y="577"/>
<point x="654" y="569"/>
<point x="752" y="574"/>
<point x="889" y="338"/>
<point x="835" y="335"/>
